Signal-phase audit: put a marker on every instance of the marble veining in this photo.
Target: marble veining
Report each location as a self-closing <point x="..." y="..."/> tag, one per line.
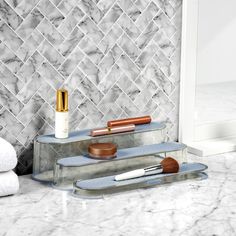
<point x="117" y="58"/>
<point x="188" y="208"/>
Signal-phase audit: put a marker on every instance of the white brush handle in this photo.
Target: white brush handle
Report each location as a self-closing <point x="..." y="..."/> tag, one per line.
<point x="130" y="175"/>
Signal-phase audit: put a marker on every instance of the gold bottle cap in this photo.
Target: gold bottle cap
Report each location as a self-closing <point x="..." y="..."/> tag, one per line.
<point x="62" y="100"/>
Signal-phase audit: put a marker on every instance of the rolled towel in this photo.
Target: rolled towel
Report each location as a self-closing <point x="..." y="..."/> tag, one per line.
<point x="9" y="183"/>
<point x="8" y="159"/>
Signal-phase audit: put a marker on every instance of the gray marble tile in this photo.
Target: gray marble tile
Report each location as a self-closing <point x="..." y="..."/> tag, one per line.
<point x="30" y="67"/>
<point x="52" y="13"/>
<point x="146" y="55"/>
<point x="128" y="26"/>
<point x="130" y="8"/>
<point x="110" y="38"/>
<point x="112" y="113"/>
<point x="128" y="86"/>
<point x="66" y="6"/>
<point x="52" y="55"/>
<point x="30" y="88"/>
<point x="141" y="4"/>
<point x="176" y="3"/>
<point x="76" y="98"/>
<point x="71" y="21"/>
<point x="50" y="33"/>
<point x="127" y="105"/>
<point x="48" y="93"/>
<point x="47" y="113"/>
<point x="46" y="129"/>
<point x="30" y="131"/>
<point x="91" y="50"/>
<point x="110" y="18"/>
<point x="86" y="123"/>
<point x="56" y="2"/>
<point x="9" y="58"/>
<point x="91" y="70"/>
<point x="29" y="110"/>
<point x="71" y="62"/>
<point x="177" y="18"/>
<point x="90" y="91"/>
<point x="32" y="21"/>
<point x="13" y="3"/>
<point x="75" y="119"/>
<point x="110" y="79"/>
<point x="108" y="101"/>
<point x="91" y="29"/>
<point x="176" y="56"/>
<point x="163" y="101"/>
<point x="9" y="15"/>
<point x="152" y="71"/>
<point x="8" y="79"/>
<point x="128" y="67"/>
<point x="10" y="123"/>
<point x="91" y="9"/>
<point x="147" y="15"/>
<point x="147" y="35"/>
<point x="160" y="116"/>
<point x="164" y="63"/>
<point x="72" y="82"/>
<point x="9" y="101"/>
<point x="25" y="7"/>
<point x="30" y="45"/>
<point x="9" y="37"/>
<point x="105" y="5"/>
<point x="164" y="43"/>
<point x="90" y="111"/>
<point x="164" y="23"/>
<point x="129" y="46"/>
<point x="146" y="94"/>
<point x="166" y="7"/>
<point x="110" y="59"/>
<point x="71" y="42"/>
<point x="150" y="107"/>
<point x="50" y="75"/>
<point x="176" y="38"/>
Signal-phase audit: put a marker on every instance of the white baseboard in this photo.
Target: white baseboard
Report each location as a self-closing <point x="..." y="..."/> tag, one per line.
<point x="215" y="130"/>
<point x="213" y="146"/>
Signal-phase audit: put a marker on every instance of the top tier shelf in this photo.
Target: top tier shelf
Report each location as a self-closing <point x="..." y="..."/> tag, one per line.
<point x="84" y="135"/>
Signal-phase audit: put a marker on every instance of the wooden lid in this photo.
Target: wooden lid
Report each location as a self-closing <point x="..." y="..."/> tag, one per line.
<point x="102" y="150"/>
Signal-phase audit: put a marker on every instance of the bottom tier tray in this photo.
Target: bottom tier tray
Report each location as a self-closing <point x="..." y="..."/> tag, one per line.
<point x="97" y="187"/>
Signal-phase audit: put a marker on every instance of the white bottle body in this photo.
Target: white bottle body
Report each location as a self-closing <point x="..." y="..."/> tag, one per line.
<point x="61" y="124"/>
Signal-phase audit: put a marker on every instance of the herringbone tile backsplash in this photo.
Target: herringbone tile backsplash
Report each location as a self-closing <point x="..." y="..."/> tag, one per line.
<point x="117" y="59"/>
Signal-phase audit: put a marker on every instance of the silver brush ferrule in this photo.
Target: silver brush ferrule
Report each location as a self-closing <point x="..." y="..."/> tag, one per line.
<point x="152" y="170"/>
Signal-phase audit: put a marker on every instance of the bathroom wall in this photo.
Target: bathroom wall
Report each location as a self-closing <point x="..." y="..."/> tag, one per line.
<point x="117" y="59"/>
<point x="216" y="42"/>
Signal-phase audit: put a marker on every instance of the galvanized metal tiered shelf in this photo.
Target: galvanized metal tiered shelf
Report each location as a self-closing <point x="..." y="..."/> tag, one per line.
<point x="65" y="162"/>
<point x="48" y="149"/>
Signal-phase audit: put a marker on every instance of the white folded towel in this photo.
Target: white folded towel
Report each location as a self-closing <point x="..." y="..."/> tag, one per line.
<point x="8" y="159"/>
<point x="9" y="183"/>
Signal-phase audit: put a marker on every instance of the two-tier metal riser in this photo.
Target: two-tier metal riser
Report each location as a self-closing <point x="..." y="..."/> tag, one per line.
<point x="48" y="149"/>
<point x="70" y="169"/>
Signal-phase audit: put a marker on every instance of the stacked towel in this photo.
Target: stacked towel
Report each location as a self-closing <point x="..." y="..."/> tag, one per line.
<point x="9" y="183"/>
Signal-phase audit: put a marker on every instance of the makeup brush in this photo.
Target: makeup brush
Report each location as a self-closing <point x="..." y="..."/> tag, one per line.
<point x="167" y="165"/>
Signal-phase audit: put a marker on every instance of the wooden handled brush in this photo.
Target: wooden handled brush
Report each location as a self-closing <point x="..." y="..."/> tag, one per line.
<point x="167" y="165"/>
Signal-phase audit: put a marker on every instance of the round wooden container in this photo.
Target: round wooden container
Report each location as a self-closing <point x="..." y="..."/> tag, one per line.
<point x="102" y="150"/>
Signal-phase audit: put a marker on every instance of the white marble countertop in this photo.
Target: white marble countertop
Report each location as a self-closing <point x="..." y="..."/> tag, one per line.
<point x="206" y="207"/>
